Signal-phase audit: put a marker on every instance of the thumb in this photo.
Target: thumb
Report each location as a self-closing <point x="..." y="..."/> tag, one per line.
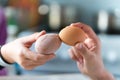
<point x="32" y="38"/>
<point x="83" y="50"/>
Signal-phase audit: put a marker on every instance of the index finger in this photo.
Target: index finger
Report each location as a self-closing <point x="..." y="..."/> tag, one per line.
<point x="29" y="40"/>
<point x="27" y="53"/>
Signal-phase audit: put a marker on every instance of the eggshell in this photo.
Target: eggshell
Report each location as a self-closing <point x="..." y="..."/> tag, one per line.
<point x="72" y="35"/>
<point x="48" y="43"/>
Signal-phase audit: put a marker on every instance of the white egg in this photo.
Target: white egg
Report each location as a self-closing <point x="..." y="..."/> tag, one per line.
<point x="48" y="43"/>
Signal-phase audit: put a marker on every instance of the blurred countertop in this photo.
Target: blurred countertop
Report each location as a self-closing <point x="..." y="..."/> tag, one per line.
<point x="73" y="76"/>
<point x="48" y="77"/>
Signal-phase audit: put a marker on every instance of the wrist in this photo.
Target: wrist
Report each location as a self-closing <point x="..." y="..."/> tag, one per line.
<point x="104" y="76"/>
<point x="5" y="57"/>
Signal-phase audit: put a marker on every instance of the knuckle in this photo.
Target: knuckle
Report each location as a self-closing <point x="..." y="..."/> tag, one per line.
<point x="73" y="57"/>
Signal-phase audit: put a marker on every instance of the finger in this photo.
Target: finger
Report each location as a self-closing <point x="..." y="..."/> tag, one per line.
<point x="28" y="63"/>
<point x="37" y="57"/>
<point x="87" y="29"/>
<point x="32" y="38"/>
<point x="80" y="66"/>
<point x="39" y="61"/>
<point x="43" y="57"/>
<point x="34" y="63"/>
<point x="89" y="43"/>
<point x="77" y="53"/>
<point x="72" y="54"/>
<point x="28" y="67"/>
<point x="28" y="54"/>
<point x="83" y="50"/>
<point x="40" y="34"/>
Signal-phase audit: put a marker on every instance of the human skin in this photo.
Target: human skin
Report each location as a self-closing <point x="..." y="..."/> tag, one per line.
<point x="18" y="51"/>
<point x="88" y="55"/>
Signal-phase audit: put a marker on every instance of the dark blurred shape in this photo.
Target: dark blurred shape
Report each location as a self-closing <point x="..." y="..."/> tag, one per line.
<point x="3" y="2"/>
<point x="3" y="27"/>
<point x="114" y="27"/>
<point x="3" y="35"/>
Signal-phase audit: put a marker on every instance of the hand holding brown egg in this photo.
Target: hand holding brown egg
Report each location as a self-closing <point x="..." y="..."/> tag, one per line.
<point x="72" y="35"/>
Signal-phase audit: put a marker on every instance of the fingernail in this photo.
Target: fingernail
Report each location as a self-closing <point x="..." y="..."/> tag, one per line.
<point x="71" y="23"/>
<point x="43" y="30"/>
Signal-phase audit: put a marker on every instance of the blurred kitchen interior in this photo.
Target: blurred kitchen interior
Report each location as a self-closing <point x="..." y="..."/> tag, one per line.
<point x="27" y="16"/>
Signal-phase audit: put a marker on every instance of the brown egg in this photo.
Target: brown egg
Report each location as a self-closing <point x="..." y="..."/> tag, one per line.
<point x="48" y="43"/>
<point x="72" y="35"/>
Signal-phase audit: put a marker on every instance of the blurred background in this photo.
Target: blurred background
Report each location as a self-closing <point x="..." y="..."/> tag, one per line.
<point x="24" y="17"/>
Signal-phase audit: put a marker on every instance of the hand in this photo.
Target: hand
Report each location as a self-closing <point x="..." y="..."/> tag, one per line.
<point x="18" y="51"/>
<point x="88" y="55"/>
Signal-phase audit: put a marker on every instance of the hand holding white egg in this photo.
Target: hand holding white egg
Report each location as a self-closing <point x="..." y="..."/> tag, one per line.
<point x="48" y="43"/>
